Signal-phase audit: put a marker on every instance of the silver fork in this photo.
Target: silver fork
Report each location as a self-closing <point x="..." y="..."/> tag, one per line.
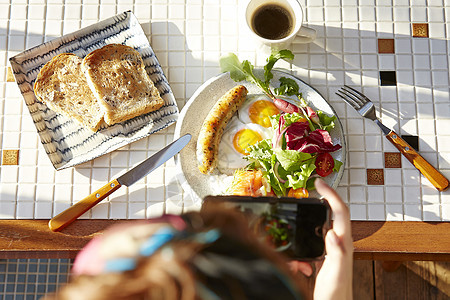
<point x="365" y="108"/>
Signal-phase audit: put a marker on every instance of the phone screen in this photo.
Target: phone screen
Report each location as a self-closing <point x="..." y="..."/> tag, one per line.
<point x="295" y="227"/>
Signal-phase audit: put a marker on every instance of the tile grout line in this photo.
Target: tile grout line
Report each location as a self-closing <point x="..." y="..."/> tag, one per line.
<point x="447" y="44"/>
<point x="367" y="159"/>
<point x="347" y="164"/>
<point x="398" y="110"/>
<point x="434" y="117"/>
<point x="8" y="27"/>
<point x="379" y="105"/>
<point x="381" y="137"/>
<point x="411" y="41"/>
<point x="16" y="275"/>
<point x="3" y="293"/>
<point x="360" y="38"/>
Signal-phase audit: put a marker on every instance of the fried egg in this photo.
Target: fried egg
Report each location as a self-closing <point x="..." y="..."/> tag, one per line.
<point x="257" y="109"/>
<point x="250" y="125"/>
<point x="237" y="137"/>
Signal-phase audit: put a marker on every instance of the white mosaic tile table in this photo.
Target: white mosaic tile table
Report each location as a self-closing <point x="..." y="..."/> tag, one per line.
<point x="188" y="38"/>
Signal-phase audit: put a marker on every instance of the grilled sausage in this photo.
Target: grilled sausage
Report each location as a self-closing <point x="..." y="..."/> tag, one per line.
<point x="213" y="126"/>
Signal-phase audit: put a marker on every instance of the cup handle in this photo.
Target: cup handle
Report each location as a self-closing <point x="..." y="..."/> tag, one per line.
<point x="305" y="35"/>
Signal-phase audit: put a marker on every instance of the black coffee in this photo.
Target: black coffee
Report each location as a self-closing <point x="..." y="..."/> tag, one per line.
<point x="272" y="22"/>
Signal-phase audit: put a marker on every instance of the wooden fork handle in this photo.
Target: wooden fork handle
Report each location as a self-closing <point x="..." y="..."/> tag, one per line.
<point x="427" y="170"/>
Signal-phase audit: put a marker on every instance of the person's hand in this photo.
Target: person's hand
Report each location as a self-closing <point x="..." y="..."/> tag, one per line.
<point x="334" y="280"/>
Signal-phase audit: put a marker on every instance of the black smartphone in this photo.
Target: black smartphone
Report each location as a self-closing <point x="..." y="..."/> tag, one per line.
<point x="295" y="227"/>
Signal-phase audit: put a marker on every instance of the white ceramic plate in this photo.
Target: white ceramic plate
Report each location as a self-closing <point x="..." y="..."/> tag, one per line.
<point x="65" y="141"/>
<point x="198" y="185"/>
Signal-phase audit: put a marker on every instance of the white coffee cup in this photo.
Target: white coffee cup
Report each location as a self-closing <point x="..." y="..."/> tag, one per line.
<point x="297" y="32"/>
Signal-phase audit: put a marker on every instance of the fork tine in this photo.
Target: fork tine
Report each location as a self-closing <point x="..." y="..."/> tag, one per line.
<point x="355" y="96"/>
<point x="361" y="95"/>
<point x="349" y="99"/>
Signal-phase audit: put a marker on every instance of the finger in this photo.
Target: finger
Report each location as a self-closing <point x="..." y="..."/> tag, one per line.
<point x="341" y="224"/>
<point x="299" y="266"/>
<point x="334" y="246"/>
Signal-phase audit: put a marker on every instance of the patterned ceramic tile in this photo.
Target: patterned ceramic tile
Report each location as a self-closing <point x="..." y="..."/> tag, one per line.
<point x="386" y="46"/>
<point x="420" y="30"/>
<point x="360" y="39"/>
<point x="10" y="157"/>
<point x="9" y="75"/>
<point x="355" y="48"/>
<point x="375" y="176"/>
<point x="392" y="160"/>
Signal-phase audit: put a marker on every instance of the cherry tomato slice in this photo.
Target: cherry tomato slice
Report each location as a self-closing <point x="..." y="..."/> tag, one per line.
<point x="324" y="164"/>
<point x="298" y="193"/>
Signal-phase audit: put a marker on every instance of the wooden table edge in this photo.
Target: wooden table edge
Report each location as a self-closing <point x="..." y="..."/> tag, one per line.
<point x="373" y="240"/>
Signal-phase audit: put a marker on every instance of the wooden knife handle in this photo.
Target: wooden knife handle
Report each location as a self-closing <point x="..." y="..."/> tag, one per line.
<point x="433" y="175"/>
<point x="66" y="217"/>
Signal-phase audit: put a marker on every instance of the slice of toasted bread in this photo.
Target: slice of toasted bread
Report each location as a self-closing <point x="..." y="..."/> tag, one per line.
<point x="62" y="86"/>
<point x="116" y="74"/>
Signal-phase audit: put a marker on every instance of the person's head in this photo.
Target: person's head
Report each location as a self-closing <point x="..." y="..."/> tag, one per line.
<point x="209" y="254"/>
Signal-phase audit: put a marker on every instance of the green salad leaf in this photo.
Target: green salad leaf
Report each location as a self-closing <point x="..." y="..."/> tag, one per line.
<point x="282" y="168"/>
<point x="288" y="87"/>
<point x="337" y="165"/>
<point x="272" y="59"/>
<point x="261" y="153"/>
<point x="298" y="180"/>
<point x="230" y="63"/>
<point x="244" y="71"/>
<point x="326" y="121"/>
<point x="291" y="160"/>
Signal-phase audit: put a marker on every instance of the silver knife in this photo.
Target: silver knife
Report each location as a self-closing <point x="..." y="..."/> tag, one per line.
<point x="72" y="213"/>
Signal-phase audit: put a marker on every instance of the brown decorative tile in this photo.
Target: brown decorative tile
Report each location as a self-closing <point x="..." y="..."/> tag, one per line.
<point x="10" y="157"/>
<point x="392" y="160"/>
<point x="386" y="46"/>
<point x="9" y="75"/>
<point x="420" y="30"/>
<point x="375" y="176"/>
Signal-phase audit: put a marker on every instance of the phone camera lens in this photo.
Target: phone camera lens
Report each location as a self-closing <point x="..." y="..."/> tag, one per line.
<point x="318" y="231"/>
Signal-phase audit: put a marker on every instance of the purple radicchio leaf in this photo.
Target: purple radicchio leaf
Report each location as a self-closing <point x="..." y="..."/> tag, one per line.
<point x="278" y="135"/>
<point x="317" y="141"/>
<point x="295" y="133"/>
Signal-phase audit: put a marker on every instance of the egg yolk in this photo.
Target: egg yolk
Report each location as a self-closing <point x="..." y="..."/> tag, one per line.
<point x="245" y="138"/>
<point x="260" y="111"/>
